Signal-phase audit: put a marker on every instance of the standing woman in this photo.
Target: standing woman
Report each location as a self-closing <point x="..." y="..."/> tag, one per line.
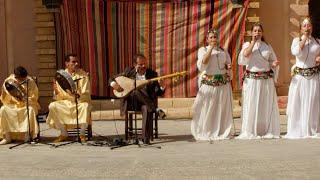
<point x="212" y="109"/>
<point x="260" y="113"/>
<point x="304" y="93"/>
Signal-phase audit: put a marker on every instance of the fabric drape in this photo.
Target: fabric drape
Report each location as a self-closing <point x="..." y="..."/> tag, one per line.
<point x="107" y="34"/>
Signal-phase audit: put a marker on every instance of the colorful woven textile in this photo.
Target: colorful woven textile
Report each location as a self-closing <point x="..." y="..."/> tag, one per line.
<point x="258" y="75"/>
<point x="107" y="34"/>
<point x="306" y="72"/>
<point x="215" y="80"/>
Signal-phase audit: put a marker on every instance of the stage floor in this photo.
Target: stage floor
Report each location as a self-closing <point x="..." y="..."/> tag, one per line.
<point x="180" y="157"/>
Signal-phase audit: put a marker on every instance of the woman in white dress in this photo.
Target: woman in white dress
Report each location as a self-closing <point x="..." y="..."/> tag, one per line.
<point x="303" y="108"/>
<point x="260" y="113"/>
<point x="212" y="109"/>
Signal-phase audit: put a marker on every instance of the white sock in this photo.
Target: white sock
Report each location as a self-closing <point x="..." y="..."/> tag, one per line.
<point x="26" y="136"/>
<point x="83" y="129"/>
<point x="63" y="130"/>
<point x="7" y="136"/>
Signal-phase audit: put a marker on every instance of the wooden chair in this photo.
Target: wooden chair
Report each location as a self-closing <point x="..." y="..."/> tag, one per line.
<point x="70" y="131"/>
<point x="88" y="133"/>
<point x="130" y="126"/>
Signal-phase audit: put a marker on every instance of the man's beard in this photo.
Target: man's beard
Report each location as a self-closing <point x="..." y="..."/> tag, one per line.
<point x="141" y="71"/>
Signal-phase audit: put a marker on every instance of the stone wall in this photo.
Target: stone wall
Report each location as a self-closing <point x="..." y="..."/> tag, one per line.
<point x="17" y="37"/>
<point x="298" y="11"/>
<point x="281" y="24"/>
<point x="46" y="52"/>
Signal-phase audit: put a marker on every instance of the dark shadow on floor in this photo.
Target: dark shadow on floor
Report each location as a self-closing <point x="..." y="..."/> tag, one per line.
<point x="176" y="138"/>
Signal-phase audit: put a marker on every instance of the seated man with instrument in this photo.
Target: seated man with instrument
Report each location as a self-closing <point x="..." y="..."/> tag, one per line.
<point x="143" y="98"/>
<point x="70" y="86"/>
<point x="14" y="120"/>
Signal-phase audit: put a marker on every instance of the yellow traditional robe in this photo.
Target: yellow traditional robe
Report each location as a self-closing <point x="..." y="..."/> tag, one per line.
<point x="63" y="110"/>
<point x="13" y="113"/>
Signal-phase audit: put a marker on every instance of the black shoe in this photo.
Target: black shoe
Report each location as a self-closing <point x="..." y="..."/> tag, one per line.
<point x="146" y="141"/>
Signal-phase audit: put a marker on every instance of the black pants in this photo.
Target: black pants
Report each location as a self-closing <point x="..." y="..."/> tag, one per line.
<point x="140" y="101"/>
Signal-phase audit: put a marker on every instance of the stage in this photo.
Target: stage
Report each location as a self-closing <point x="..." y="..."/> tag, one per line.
<point x="174" y="108"/>
<point x="179" y="157"/>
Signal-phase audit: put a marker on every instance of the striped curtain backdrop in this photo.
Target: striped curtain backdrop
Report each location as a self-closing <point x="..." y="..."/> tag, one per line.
<point x="107" y="34"/>
<point x="81" y="29"/>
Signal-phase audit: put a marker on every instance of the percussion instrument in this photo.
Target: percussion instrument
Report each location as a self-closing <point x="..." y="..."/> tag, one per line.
<point x="15" y="89"/>
<point x="65" y="81"/>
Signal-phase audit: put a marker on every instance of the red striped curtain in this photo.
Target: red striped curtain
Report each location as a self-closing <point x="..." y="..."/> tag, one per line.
<point x="107" y="34"/>
<point x="81" y="29"/>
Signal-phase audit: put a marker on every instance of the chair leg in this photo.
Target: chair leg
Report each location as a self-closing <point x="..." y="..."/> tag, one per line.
<point x="151" y="126"/>
<point x="38" y="134"/>
<point x="126" y="126"/>
<point x="89" y="131"/>
<point x="89" y="128"/>
<point x="130" y="125"/>
<point x="156" y="125"/>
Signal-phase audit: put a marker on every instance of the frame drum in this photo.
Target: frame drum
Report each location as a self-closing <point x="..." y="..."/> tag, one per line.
<point x="15" y="89"/>
<point x="65" y="80"/>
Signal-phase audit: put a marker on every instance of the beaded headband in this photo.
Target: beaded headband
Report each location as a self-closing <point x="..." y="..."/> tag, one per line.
<point x="306" y="21"/>
<point x="213" y="31"/>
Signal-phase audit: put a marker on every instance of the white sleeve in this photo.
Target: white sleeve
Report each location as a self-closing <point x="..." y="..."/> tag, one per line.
<point x="272" y="56"/>
<point x="201" y="52"/>
<point x="228" y="61"/>
<point x="295" y="47"/>
<point x="242" y="60"/>
<point x="318" y="42"/>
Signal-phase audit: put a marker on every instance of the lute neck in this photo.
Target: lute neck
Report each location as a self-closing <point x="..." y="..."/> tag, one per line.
<point x="168" y="76"/>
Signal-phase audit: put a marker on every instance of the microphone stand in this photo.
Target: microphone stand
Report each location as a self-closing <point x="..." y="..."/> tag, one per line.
<point x="78" y="140"/>
<point x="30" y="139"/>
<point x="133" y="99"/>
<point x="135" y="104"/>
<point x="135" y="111"/>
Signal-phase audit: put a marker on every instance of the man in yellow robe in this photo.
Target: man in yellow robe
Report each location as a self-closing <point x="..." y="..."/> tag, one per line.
<point x="13" y="114"/>
<point x="62" y="112"/>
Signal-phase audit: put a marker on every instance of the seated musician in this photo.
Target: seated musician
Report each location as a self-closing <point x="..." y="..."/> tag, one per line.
<point x="62" y="112"/>
<point x="13" y="114"/>
<point x="142" y="99"/>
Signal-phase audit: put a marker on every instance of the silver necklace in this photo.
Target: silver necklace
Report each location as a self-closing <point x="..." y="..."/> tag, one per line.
<point x="218" y="60"/>
<point x="306" y="60"/>
<point x="267" y="60"/>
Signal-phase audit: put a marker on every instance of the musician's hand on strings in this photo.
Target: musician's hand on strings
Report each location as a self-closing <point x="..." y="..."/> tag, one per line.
<point x="275" y="63"/>
<point x="162" y="84"/>
<point x="117" y="87"/>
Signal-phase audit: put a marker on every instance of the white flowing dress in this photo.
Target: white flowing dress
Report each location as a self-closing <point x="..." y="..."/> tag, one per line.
<point x="212" y="109"/>
<point x="260" y="112"/>
<point x="303" y="109"/>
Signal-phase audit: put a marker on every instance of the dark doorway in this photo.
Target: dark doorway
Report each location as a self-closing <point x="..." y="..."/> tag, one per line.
<point x="314" y="14"/>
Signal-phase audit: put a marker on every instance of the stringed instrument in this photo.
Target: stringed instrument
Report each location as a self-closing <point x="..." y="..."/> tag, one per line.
<point x="127" y="84"/>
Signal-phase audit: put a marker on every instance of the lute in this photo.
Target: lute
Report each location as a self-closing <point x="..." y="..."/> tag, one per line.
<point x="127" y="84"/>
